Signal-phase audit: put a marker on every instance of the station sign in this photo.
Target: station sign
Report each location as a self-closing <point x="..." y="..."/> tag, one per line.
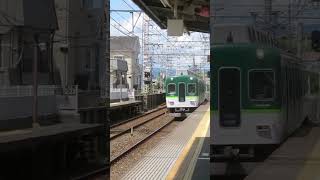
<point x="175" y="27"/>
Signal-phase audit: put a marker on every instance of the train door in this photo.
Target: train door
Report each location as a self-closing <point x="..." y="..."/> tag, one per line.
<point x="285" y="97"/>
<point x="229" y="97"/>
<point x="182" y="92"/>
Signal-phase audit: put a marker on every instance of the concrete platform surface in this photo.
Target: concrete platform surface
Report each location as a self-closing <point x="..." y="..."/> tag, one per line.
<point x="123" y="103"/>
<point x="297" y="159"/>
<point x="43" y="133"/>
<point x="165" y="160"/>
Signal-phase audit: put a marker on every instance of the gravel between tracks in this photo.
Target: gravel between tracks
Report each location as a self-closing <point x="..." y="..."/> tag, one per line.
<point x="127" y="140"/>
<point x="126" y="163"/>
<point x="136" y="121"/>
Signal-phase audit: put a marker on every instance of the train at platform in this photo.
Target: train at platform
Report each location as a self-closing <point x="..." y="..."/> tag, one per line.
<point x="261" y="94"/>
<point x="184" y="94"/>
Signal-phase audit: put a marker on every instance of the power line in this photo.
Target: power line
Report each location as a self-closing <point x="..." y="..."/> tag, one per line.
<point x="120" y="24"/>
<point x="128" y="21"/>
<point x="128" y="5"/>
<point x="124" y="10"/>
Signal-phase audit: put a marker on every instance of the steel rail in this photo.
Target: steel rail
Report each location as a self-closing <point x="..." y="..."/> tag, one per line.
<point x="135" y="126"/>
<point x="139" y="143"/>
<point x="137" y="117"/>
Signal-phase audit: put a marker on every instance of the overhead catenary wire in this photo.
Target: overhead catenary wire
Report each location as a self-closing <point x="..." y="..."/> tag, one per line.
<point x="158" y="51"/>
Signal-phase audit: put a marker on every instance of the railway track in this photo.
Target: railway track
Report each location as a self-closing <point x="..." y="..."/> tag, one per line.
<point x="114" y="133"/>
<point x="124" y="127"/>
<point x="163" y="106"/>
<point x="156" y="120"/>
<point x="122" y="154"/>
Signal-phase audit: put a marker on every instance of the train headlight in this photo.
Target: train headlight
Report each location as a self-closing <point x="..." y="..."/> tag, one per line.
<point x="171" y="103"/>
<point x="191" y="78"/>
<point x="193" y="103"/>
<point x="260" y="54"/>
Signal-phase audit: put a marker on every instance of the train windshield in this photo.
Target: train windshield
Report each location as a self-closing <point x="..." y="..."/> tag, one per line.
<point x="261" y="85"/>
<point x="192" y="89"/>
<point x="171" y="89"/>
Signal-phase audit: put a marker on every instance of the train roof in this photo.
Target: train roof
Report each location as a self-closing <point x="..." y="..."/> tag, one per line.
<point x="183" y="78"/>
<point x="246" y="55"/>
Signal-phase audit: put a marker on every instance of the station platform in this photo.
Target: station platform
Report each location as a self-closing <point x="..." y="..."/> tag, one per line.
<point x="124" y="104"/>
<point x="298" y="158"/>
<point x="176" y="156"/>
<point x="29" y="137"/>
<point x="125" y="110"/>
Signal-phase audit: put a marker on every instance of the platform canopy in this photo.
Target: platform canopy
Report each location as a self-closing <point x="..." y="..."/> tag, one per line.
<point x="195" y="13"/>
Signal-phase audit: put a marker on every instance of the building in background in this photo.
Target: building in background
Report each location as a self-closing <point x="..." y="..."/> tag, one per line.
<point x="128" y="49"/>
<point x="26" y="39"/>
<point x="80" y="52"/>
<point x="118" y="80"/>
<point x="63" y="131"/>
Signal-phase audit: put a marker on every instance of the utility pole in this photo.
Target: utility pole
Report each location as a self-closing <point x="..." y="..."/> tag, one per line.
<point x="194" y="63"/>
<point x="268" y="12"/>
<point x="35" y="122"/>
<point x="299" y="39"/>
<point x="121" y="76"/>
<point x="132" y="19"/>
<point x="289" y="14"/>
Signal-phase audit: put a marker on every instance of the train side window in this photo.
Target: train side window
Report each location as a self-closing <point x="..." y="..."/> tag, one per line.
<point x="171" y="88"/>
<point x="261" y="85"/>
<point x="192" y="89"/>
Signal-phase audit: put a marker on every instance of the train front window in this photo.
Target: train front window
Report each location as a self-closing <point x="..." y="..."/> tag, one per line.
<point x="191" y="89"/>
<point x="261" y="85"/>
<point x="171" y="89"/>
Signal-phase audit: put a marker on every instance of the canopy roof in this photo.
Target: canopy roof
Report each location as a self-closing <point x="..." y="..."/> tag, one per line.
<point x="195" y="13"/>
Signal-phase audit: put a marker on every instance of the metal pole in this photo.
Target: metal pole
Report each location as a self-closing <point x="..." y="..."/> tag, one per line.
<point x="66" y="58"/>
<point x="175" y="9"/>
<point x="299" y="39"/>
<point x="121" y="87"/>
<point x="268" y="11"/>
<point x="132" y="23"/>
<point x="65" y="70"/>
<point x="35" y="85"/>
<point x="289" y="14"/>
<point x="204" y="71"/>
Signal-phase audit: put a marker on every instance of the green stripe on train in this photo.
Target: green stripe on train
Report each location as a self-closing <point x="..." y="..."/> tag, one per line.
<point x="187" y="97"/>
<point x="171" y="97"/>
<point x="192" y="97"/>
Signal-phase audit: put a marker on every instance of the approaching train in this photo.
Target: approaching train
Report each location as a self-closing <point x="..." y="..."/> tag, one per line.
<point x="184" y="94"/>
<point x="259" y="94"/>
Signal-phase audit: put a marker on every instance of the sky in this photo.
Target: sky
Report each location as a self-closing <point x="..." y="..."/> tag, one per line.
<point x="180" y="52"/>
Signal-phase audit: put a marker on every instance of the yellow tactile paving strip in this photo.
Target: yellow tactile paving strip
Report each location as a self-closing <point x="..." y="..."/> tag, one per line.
<point x="311" y="168"/>
<point x="199" y="132"/>
<point x="157" y="163"/>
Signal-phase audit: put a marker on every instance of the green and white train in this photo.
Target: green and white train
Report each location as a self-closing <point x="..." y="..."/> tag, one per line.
<point x="259" y="94"/>
<point x="184" y="94"/>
